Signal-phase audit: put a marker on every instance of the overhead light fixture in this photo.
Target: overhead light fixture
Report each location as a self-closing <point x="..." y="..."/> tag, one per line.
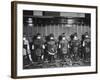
<point x="70" y="21"/>
<point x="68" y="25"/>
<point x="30" y="22"/>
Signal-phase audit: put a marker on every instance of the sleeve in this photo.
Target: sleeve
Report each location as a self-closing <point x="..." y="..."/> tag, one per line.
<point x="33" y="47"/>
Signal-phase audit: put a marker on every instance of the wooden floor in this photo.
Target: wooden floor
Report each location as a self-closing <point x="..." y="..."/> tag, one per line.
<point x="58" y="63"/>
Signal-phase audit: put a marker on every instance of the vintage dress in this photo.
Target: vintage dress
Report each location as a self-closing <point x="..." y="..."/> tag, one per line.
<point x="26" y="52"/>
<point x="38" y="49"/>
<point x="86" y="48"/>
<point x="51" y="49"/>
<point x="62" y="48"/>
<point x="74" y="48"/>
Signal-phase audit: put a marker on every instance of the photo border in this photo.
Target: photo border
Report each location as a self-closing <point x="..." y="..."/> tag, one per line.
<point x="14" y="37"/>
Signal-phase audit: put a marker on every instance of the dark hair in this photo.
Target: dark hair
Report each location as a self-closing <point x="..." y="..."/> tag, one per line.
<point x="38" y="34"/>
<point x="51" y="35"/>
<point x="71" y="36"/>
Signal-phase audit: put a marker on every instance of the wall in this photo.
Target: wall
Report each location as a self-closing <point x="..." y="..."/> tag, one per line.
<point x="56" y="30"/>
<point x="5" y="40"/>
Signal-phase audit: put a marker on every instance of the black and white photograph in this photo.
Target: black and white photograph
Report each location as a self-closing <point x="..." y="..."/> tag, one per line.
<point x="56" y="39"/>
<point x="53" y="39"/>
